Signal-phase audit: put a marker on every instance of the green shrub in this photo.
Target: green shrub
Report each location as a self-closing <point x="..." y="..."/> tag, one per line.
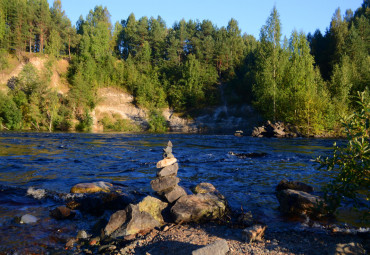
<point x="85" y="122"/>
<point x="350" y="166"/>
<point x="157" y="122"/>
<point x="116" y="123"/>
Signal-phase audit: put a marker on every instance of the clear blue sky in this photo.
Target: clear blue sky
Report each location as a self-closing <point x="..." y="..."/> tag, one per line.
<point x="303" y="15"/>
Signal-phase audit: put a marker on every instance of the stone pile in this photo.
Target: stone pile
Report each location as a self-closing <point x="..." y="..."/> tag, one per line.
<point x="166" y="181"/>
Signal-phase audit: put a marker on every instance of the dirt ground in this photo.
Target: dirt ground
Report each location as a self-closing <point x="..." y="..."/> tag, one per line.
<point x="183" y="239"/>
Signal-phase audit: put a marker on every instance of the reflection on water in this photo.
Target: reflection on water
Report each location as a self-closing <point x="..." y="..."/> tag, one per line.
<point x="58" y="161"/>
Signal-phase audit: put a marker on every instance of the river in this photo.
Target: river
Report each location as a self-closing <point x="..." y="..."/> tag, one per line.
<point x="55" y="162"/>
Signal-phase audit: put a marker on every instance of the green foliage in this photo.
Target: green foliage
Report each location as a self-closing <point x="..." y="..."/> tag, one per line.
<point x="10" y="114"/>
<point x="350" y="166"/>
<point x="85" y="121"/>
<point x="157" y="122"/>
<point x="116" y="123"/>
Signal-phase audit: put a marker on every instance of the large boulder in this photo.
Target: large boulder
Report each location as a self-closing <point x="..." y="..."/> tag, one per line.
<point x="300" y="186"/>
<point x="93" y="187"/>
<point x="116" y="220"/>
<point x="97" y="203"/>
<point x="199" y="207"/>
<point x="154" y="207"/>
<point x="294" y="202"/>
<point x="136" y="221"/>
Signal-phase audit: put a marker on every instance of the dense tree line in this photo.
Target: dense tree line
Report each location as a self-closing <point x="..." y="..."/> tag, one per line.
<point x="306" y="81"/>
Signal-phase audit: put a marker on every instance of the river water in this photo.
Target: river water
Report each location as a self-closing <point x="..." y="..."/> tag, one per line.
<point x="55" y="162"/>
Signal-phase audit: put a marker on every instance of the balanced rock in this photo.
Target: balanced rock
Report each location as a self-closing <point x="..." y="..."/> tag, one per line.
<point x="166" y="162"/>
<point x="164" y="183"/>
<point x="294" y="202"/>
<point x="93" y="187"/>
<point x="300" y="186"/>
<point x="199" y="207"/>
<point x="168" y="170"/>
<point x="154" y="207"/>
<point x="62" y="212"/>
<point x="136" y="222"/>
<point x="175" y="194"/>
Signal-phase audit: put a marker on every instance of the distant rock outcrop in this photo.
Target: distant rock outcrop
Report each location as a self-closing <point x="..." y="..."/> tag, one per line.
<point x="278" y="129"/>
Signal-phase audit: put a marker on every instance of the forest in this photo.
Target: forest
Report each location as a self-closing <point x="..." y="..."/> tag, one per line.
<point x="307" y="80"/>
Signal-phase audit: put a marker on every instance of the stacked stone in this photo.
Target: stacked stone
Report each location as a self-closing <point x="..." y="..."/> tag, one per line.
<point x="166" y="182"/>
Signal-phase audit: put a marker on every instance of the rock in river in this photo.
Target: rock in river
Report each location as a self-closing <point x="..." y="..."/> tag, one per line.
<point x="93" y="187"/>
<point x="62" y="212"/>
<point x="294" y="202"/>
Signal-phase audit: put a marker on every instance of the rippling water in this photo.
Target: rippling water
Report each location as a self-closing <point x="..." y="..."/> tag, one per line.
<point x="57" y="161"/>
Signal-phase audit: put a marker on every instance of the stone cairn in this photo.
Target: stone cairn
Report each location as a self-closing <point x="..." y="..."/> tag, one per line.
<point x="166" y="181"/>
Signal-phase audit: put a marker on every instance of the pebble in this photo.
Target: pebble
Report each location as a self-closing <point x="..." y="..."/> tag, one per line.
<point x="28" y="219"/>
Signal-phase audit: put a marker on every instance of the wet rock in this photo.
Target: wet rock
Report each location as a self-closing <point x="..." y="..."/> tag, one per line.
<point x="116" y="220"/>
<point x="348" y="249"/>
<point x="300" y="186"/>
<point x="82" y="234"/>
<point x="204" y="187"/>
<point x="154" y="207"/>
<point x="97" y="203"/>
<point x="164" y="183"/>
<point x="254" y="233"/>
<point x="219" y="247"/>
<point x="168" y="170"/>
<point x="70" y="243"/>
<point x="136" y="222"/>
<point x="92" y="187"/>
<point x="239" y="133"/>
<point x="107" y="248"/>
<point x="199" y="207"/>
<point x="293" y="202"/>
<point x="175" y="194"/>
<point x="166" y="162"/>
<point x="28" y="219"/>
<point x="61" y="213"/>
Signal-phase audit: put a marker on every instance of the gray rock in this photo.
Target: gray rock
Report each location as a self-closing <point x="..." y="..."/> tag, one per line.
<point x="254" y="233"/>
<point x="348" y="249"/>
<point x="175" y="194"/>
<point x="219" y="247"/>
<point x="164" y="183"/>
<point x="136" y="222"/>
<point x="28" y="219"/>
<point x="293" y="202"/>
<point x="62" y="212"/>
<point x="116" y="220"/>
<point x="199" y="207"/>
<point x="82" y="234"/>
<point x="168" y="170"/>
<point x="285" y="184"/>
